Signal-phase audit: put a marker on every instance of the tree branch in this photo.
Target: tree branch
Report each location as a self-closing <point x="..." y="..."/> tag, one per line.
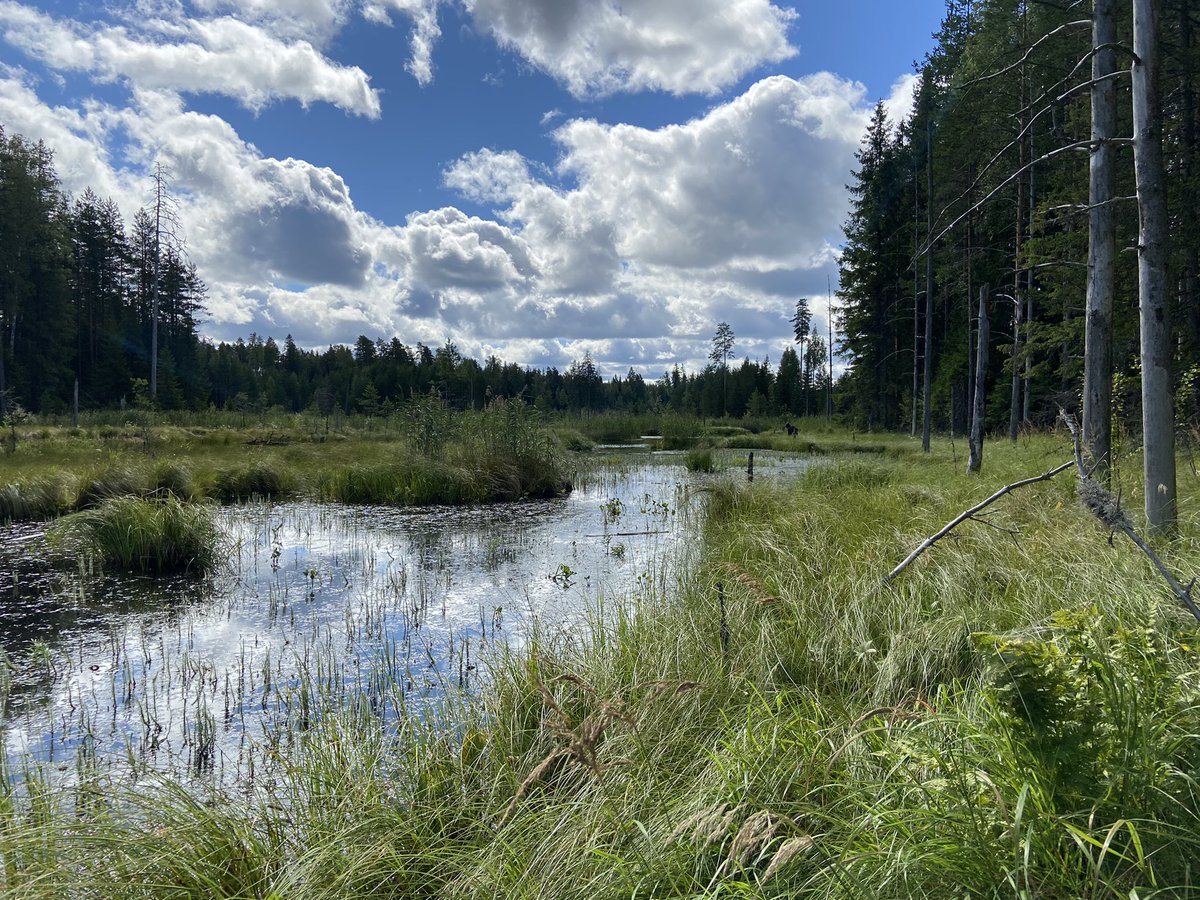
<point x="969" y="514"/>
<point x="1105" y="507"/>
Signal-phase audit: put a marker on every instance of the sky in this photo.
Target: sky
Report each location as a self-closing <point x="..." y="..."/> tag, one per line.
<point x="531" y="179"/>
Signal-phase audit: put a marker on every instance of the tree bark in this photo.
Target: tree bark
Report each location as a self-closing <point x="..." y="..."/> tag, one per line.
<point x="1158" y="421"/>
<point x="975" y="456"/>
<point x="1014" y="411"/>
<point x="1014" y="408"/>
<point x="1102" y="245"/>
<point x="829" y="349"/>
<point x="916" y="368"/>
<point x="927" y="422"/>
<point x="3" y="385"/>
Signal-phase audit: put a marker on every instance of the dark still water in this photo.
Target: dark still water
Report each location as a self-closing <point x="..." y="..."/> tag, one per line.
<point x="321" y="605"/>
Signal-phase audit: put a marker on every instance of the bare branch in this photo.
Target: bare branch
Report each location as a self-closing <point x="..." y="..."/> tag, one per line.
<point x="1078" y="145"/>
<point x="1107" y="508"/>
<point x="971" y="514"/>
<point x="1025" y="58"/>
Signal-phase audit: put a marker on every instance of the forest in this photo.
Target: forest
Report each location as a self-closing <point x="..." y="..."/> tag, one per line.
<point x="986" y="185"/>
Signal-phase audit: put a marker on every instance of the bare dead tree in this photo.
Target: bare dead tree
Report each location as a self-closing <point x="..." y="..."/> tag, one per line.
<point x="1158" y="420"/>
<point x="975" y="441"/>
<point x="166" y="233"/>
<point x="1102" y="243"/>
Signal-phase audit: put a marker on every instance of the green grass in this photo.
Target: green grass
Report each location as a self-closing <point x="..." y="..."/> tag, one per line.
<point x="1014" y="716"/>
<point x="428" y="454"/>
<point x="32" y="498"/>
<point x="134" y="535"/>
<point x="700" y="459"/>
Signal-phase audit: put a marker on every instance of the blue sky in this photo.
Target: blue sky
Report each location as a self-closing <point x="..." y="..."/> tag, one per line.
<point x="534" y="179"/>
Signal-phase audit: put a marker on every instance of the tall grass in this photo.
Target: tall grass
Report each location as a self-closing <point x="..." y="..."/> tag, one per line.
<point x="1014" y="717"/>
<point x="431" y="454"/>
<point x="135" y="535"/>
<point x="34" y="498"/>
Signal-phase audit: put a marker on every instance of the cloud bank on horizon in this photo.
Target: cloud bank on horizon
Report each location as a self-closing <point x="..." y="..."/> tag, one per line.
<point x="630" y="245"/>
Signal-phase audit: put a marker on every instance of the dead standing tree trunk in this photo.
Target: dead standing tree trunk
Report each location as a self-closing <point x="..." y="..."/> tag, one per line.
<point x="1102" y="246"/>
<point x="927" y="398"/>
<point x="975" y="456"/>
<point x="1158" y="420"/>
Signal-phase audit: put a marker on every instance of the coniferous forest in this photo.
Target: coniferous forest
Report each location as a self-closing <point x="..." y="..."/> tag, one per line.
<point x="986" y="186"/>
<point x="77" y="300"/>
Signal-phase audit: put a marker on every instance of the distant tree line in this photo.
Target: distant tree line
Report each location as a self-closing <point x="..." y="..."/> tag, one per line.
<point x="78" y="290"/>
<point x="985" y="185"/>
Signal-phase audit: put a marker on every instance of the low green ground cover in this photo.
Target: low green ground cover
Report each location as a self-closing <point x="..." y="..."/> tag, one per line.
<point x="428" y="455"/>
<point x="1015" y="716"/>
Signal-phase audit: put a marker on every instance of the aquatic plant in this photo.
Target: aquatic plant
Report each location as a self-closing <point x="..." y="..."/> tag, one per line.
<point x="700" y="459"/>
<point x="137" y="535"/>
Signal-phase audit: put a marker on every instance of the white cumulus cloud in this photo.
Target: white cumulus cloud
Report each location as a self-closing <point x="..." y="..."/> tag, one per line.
<point x="222" y="55"/>
<point x="597" y="47"/>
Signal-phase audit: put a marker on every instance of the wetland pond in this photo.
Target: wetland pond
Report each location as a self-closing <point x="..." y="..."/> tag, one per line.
<point x="320" y="606"/>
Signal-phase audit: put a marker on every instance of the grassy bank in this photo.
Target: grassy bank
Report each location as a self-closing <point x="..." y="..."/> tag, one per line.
<point x="428" y="454"/>
<point x="1016" y="716"/>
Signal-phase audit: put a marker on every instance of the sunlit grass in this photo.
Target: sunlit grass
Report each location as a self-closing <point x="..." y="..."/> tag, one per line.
<point x="429" y="454"/>
<point x="1015" y="715"/>
<point x="134" y="535"/>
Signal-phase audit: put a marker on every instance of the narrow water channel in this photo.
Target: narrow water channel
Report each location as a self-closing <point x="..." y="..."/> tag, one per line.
<point x="320" y="606"/>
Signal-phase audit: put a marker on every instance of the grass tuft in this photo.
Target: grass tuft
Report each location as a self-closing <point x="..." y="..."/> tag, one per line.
<point x="148" y="536"/>
<point x="261" y="479"/>
<point x="33" y="499"/>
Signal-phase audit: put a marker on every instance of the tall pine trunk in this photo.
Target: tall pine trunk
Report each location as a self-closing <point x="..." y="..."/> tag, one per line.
<point x="1158" y="434"/>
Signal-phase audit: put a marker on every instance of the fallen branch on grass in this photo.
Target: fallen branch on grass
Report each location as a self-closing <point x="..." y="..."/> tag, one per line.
<point x="970" y="514"/>
<point x="1105" y="507"/>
